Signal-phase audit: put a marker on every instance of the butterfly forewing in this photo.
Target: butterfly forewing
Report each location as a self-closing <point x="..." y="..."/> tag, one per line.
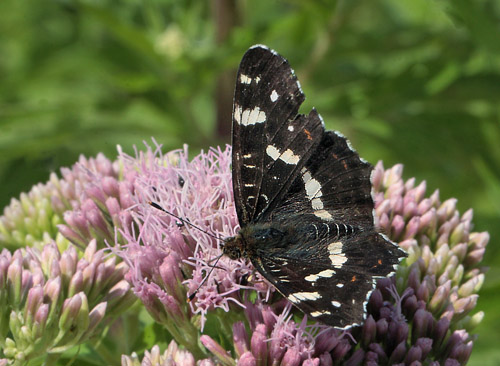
<point x="303" y="198"/>
<point x="271" y="142"/>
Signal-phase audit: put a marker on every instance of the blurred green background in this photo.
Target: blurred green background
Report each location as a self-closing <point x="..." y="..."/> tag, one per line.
<point x="408" y="81"/>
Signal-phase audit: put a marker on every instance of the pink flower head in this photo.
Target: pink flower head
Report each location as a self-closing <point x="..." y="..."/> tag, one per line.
<point x="198" y="192"/>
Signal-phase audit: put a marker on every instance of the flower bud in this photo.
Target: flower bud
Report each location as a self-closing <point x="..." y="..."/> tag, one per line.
<point x="311" y="362"/>
<point x="440" y="331"/>
<point x="425" y="345"/>
<point x="471" y="286"/>
<point x="34" y="300"/>
<point x="96" y="315"/>
<point x="217" y="350"/>
<point x="76" y="284"/>
<point x="171" y="275"/>
<point x="398" y="354"/>
<point x="341" y="349"/>
<point x="326" y="359"/>
<point x="240" y="338"/>
<point x="397" y="226"/>
<point x="70" y="310"/>
<point x="414" y="354"/>
<point x="326" y="341"/>
<point x="356" y="358"/>
<point x="291" y="358"/>
<point x="369" y="331"/>
<point x="14" y="281"/>
<point x="440" y="297"/>
<point x="464" y="305"/>
<point x="258" y="344"/>
<point x="247" y="359"/>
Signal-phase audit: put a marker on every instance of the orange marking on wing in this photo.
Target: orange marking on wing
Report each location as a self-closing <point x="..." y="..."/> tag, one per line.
<point x="376" y="265"/>
<point x="345" y="165"/>
<point x="353" y="279"/>
<point x="309" y="137"/>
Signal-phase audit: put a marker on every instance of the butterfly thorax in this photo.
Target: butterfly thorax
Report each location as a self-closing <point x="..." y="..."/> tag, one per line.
<point x="255" y="237"/>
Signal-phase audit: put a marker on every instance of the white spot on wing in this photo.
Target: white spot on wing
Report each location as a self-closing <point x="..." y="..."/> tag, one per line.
<point x="336" y="256"/>
<point x="244" y="79"/>
<point x="313" y="192"/>
<point x="315" y="314"/>
<point x="340" y="285"/>
<point x="237" y="114"/>
<point x="298" y="83"/>
<point x="303" y="296"/>
<point x="290" y="128"/>
<point x="312" y="187"/>
<point x="289" y="157"/>
<point x="311" y="278"/>
<point x="336" y="304"/>
<point x="317" y="204"/>
<point x="274" y="96"/>
<point x="327" y="273"/>
<point x="335" y="247"/>
<point x="272" y="152"/>
<point x="323" y="214"/>
<point x="252" y="116"/>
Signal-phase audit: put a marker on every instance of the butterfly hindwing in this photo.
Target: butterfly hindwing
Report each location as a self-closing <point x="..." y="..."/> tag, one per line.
<point x="271" y="142"/>
<point x="330" y="278"/>
<point x="333" y="294"/>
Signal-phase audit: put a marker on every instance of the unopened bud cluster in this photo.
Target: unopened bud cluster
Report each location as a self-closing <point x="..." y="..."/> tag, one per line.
<point x="87" y="202"/>
<point x="51" y="301"/>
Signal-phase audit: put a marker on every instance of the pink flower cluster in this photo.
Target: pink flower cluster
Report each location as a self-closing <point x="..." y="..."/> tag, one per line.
<point x="433" y="289"/>
<point x="422" y="315"/>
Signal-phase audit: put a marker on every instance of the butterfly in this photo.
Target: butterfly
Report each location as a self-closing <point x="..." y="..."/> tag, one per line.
<point x="303" y="198"/>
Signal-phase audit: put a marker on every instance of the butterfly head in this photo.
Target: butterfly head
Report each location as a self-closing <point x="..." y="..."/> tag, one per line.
<point x="252" y="238"/>
<point x="234" y="247"/>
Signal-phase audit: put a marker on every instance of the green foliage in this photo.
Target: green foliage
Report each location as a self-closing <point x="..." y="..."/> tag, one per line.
<point x="409" y="81"/>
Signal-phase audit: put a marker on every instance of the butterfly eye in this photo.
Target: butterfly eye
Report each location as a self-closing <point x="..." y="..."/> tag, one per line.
<point x="234" y="253"/>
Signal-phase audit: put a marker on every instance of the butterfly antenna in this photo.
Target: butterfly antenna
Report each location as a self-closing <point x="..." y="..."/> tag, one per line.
<point x="158" y="207"/>
<point x="191" y="297"/>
